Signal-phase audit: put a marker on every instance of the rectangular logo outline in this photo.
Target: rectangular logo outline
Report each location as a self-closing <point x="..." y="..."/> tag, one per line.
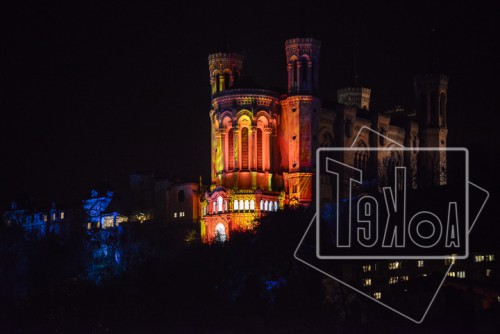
<point x="391" y="257"/>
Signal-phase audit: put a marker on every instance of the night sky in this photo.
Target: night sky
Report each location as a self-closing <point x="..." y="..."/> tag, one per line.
<point x="98" y="90"/>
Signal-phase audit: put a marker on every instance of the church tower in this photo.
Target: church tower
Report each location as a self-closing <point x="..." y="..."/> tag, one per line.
<point x="302" y="56"/>
<point x="300" y="119"/>
<point x="431" y="92"/>
<point x="225" y="70"/>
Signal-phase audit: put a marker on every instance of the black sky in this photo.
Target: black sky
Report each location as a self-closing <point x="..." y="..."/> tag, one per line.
<point x="98" y="90"/>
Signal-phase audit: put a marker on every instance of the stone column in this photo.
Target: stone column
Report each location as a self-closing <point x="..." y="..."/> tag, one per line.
<point x="266" y="153"/>
<point x="236" y="148"/>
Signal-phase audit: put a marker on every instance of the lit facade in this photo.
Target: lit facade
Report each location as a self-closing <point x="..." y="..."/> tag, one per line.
<point x="263" y="143"/>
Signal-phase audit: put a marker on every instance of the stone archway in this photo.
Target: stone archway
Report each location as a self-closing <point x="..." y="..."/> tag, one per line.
<point x="220" y="233"/>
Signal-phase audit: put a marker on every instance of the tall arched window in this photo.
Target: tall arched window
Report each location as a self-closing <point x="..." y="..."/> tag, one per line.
<point x="244" y="148"/>
<point x="180" y="196"/>
<point x="227" y="81"/>
<point x="241" y="204"/>
<point x="259" y="149"/>
<point x="219" y="204"/>
<point x="261" y="205"/>
<point x="266" y="208"/>
<point x="275" y="206"/>
<point x="235" y="206"/>
<point x="230" y="139"/>
<point x="252" y="205"/>
<point x="294" y="72"/>
<point x="303" y="71"/>
<point x="236" y="78"/>
<point x="217" y="83"/>
<point x="214" y="210"/>
<point x="247" y="205"/>
<point x="361" y="157"/>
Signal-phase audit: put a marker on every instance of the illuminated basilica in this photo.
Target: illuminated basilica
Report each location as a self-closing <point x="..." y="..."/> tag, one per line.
<point x="263" y="143"/>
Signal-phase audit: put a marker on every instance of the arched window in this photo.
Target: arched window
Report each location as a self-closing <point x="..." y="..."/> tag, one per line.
<point x="259" y="149"/>
<point x="348" y="128"/>
<point x="241" y="204"/>
<point x="393" y="161"/>
<point x="236" y="78"/>
<point x="235" y="206"/>
<point x="361" y="157"/>
<point x="261" y="205"/>
<point x="247" y="205"/>
<point x="231" y="148"/>
<point x="266" y="208"/>
<point x="219" y="204"/>
<point x="303" y="71"/>
<point x="275" y="206"/>
<point x="252" y="205"/>
<point x="220" y="233"/>
<point x="214" y="208"/>
<point x="217" y="83"/>
<point x="225" y="206"/>
<point x="312" y="76"/>
<point x="180" y="196"/>
<point x="244" y="148"/>
<point x="227" y="81"/>
<point x="294" y="72"/>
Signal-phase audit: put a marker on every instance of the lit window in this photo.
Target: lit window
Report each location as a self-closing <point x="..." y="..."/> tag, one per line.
<point x="62" y="215"/>
<point x="479" y="258"/>
<point x="275" y="206"/>
<point x="225" y="205"/>
<point x="175" y="214"/>
<point x="215" y="207"/>
<point x="247" y="205"/>
<point x="261" y="205"/>
<point x="53" y="216"/>
<point x="448" y="261"/>
<point x="452" y="274"/>
<point x="461" y="274"/>
<point x="393" y="280"/>
<point x="219" y="204"/>
<point x="252" y="205"/>
<point x="367" y="268"/>
<point x="241" y="204"/>
<point x="45" y="218"/>
<point x="235" y="205"/>
<point x="394" y="265"/>
<point x="181" y="214"/>
<point x="367" y="282"/>
<point x="220" y="233"/>
<point x="420" y="263"/>
<point x="265" y="205"/>
<point x="490" y="257"/>
<point x="377" y="295"/>
<point x="488" y="272"/>
<point x="89" y="226"/>
<point x="404" y="278"/>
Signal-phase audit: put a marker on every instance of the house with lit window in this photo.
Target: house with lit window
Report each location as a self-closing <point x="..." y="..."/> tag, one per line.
<point x="39" y="223"/>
